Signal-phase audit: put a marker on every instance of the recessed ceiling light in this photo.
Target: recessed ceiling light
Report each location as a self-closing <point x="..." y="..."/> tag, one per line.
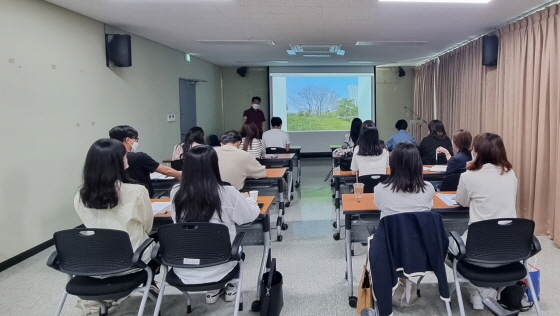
<point x="316" y="55"/>
<point x="291" y="52"/>
<point x="238" y="42"/>
<point x="445" y="1"/>
<point x="279" y="61"/>
<point x="361" y="62"/>
<point x="341" y="52"/>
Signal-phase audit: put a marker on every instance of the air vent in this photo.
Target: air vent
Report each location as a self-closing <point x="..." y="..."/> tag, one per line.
<point x="316" y="48"/>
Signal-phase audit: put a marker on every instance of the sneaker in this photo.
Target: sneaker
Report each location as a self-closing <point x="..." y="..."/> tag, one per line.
<point x="154" y="290"/>
<point x="212" y="296"/>
<point x="231" y="291"/>
<point x="489" y="292"/>
<point x="476" y="301"/>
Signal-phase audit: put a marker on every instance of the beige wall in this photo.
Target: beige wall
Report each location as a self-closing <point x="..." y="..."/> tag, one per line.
<point x="393" y="94"/>
<point x="57" y="97"/>
<point x="238" y="92"/>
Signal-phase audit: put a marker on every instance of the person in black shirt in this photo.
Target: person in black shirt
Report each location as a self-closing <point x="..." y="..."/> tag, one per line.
<point x="140" y="164"/>
<point x="437" y="138"/>
<point x="462" y="141"/>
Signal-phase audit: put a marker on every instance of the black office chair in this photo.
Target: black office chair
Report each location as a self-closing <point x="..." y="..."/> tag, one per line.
<point x="276" y="150"/>
<point x="495" y="255"/>
<point x="206" y="245"/>
<point x="177" y="164"/>
<point x="82" y="253"/>
<point x="450" y="182"/>
<point x="371" y="180"/>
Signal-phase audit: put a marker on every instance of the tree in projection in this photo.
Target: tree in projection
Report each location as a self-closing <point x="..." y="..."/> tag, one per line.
<point x="346" y="108"/>
<point x="315" y="101"/>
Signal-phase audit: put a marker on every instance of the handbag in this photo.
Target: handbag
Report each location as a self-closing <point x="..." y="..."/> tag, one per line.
<point x="272" y="298"/>
<point x="365" y="295"/>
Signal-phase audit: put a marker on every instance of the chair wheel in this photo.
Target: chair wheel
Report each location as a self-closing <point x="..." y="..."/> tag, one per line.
<point x="332" y="185"/>
<point x="284" y="226"/>
<point x="256" y="306"/>
<point x="352" y="253"/>
<point x="287" y="204"/>
<point x="241" y="307"/>
<point x="103" y="314"/>
<point x="297" y="185"/>
<point x="333" y="196"/>
<point x="189" y="309"/>
<point x="334" y="224"/>
<point x="353" y="301"/>
<point x="336" y="236"/>
<point x="291" y="197"/>
<point x="279" y="237"/>
<point x="346" y="275"/>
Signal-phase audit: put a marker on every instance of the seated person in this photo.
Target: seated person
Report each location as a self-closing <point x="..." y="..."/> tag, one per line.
<point x="370" y="155"/>
<point x="462" y="143"/>
<point x="108" y="197"/>
<point x="489" y="189"/>
<point x="140" y="164"/>
<point x="220" y="203"/>
<point x="276" y="137"/>
<point x="352" y="136"/>
<point x="404" y="190"/>
<point x="237" y="165"/>
<point x="194" y="137"/>
<point x="250" y="142"/>
<point x="400" y="136"/>
<point x="429" y="144"/>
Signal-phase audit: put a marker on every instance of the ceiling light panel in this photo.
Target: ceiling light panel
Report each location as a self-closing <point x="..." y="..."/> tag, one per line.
<point x="378" y="43"/>
<point x="441" y="1"/>
<point x="238" y="42"/>
<point x="318" y="56"/>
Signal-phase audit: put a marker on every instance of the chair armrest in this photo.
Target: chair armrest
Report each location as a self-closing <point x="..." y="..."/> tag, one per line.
<point x="137" y="257"/>
<point x="536" y="245"/>
<point x="460" y="244"/>
<point x="236" y="249"/>
<point x="156" y="256"/>
<point x="53" y="261"/>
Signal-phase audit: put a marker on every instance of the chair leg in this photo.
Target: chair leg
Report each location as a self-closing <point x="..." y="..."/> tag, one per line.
<point x="535" y="300"/>
<point x="103" y="310"/>
<point x="61" y="303"/>
<point x="458" y="289"/>
<point x="160" y="296"/>
<point x="189" y="307"/>
<point x="238" y="297"/>
<point x="448" y="307"/>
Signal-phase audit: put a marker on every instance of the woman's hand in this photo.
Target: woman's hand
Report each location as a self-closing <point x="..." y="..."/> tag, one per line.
<point x="442" y="150"/>
<point x="469" y="164"/>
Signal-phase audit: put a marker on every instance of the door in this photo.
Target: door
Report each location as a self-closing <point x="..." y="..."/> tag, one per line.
<point x="187" y="103"/>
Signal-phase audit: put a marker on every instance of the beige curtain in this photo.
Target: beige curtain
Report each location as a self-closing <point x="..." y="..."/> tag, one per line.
<point x="425" y="77"/>
<point x="518" y="99"/>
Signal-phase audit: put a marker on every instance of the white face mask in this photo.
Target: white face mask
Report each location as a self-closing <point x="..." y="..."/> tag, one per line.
<point x="134" y="147"/>
<point x="255" y="106"/>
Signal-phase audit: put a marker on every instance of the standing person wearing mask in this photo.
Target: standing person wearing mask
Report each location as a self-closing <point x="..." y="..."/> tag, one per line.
<point x="255" y="115"/>
<point x="140" y="164"/>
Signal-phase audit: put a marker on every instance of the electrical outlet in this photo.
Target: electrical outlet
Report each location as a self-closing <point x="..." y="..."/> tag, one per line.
<point x="172" y="117"/>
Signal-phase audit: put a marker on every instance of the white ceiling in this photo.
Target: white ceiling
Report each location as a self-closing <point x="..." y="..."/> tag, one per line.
<point x="181" y="23"/>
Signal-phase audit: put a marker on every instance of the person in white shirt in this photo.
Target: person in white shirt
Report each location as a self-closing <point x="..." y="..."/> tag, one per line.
<point x="370" y="154"/>
<point x="276" y="137"/>
<point x="109" y="199"/>
<point x="203" y="197"/>
<point x="489" y="189"/>
<point x="194" y="137"/>
<point x="250" y="141"/>
<point x="405" y="189"/>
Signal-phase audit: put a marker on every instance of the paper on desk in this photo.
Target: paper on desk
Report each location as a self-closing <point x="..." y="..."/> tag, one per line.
<point x="425" y="168"/>
<point x="268" y="156"/>
<point x="160" y="207"/>
<point x="159" y="176"/>
<point x="438" y="168"/>
<point x="447" y="198"/>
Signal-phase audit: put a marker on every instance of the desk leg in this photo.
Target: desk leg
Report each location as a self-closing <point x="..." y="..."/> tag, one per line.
<point x="298" y="170"/>
<point x="255" y="306"/>
<point x="352" y="300"/>
<point x="336" y="224"/>
<point x="290" y="180"/>
<point x="280" y="221"/>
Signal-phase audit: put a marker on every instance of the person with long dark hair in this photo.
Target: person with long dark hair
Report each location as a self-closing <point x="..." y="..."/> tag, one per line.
<point x="194" y="137"/>
<point x="437" y="138"/>
<point x="489" y="189"/>
<point x="352" y="136"/>
<point x="202" y="196"/>
<point x="462" y="140"/>
<point x="404" y="190"/>
<point x="370" y="155"/>
<point x="250" y="141"/>
<point x="108" y="198"/>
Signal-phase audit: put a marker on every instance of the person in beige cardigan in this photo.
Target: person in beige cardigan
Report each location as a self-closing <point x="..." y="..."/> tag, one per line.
<point x="235" y="164"/>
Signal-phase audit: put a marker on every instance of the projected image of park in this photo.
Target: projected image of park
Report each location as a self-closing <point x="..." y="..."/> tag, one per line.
<point x="321" y="103"/>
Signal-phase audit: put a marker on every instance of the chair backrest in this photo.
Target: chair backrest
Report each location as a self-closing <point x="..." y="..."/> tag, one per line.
<point x="450" y="182"/>
<point x="371" y="180"/>
<point x="93" y="251"/>
<point x="276" y="150"/>
<point x="194" y="245"/>
<point x="214" y="141"/>
<point x="177" y="164"/>
<point x="500" y="241"/>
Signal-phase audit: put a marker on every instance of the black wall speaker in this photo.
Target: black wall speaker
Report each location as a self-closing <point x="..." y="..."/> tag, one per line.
<point x="242" y="71"/>
<point x="117" y="49"/>
<point x="489" y="50"/>
<point x="402" y="73"/>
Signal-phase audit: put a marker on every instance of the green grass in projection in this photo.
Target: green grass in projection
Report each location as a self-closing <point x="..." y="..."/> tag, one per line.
<point x="308" y="123"/>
